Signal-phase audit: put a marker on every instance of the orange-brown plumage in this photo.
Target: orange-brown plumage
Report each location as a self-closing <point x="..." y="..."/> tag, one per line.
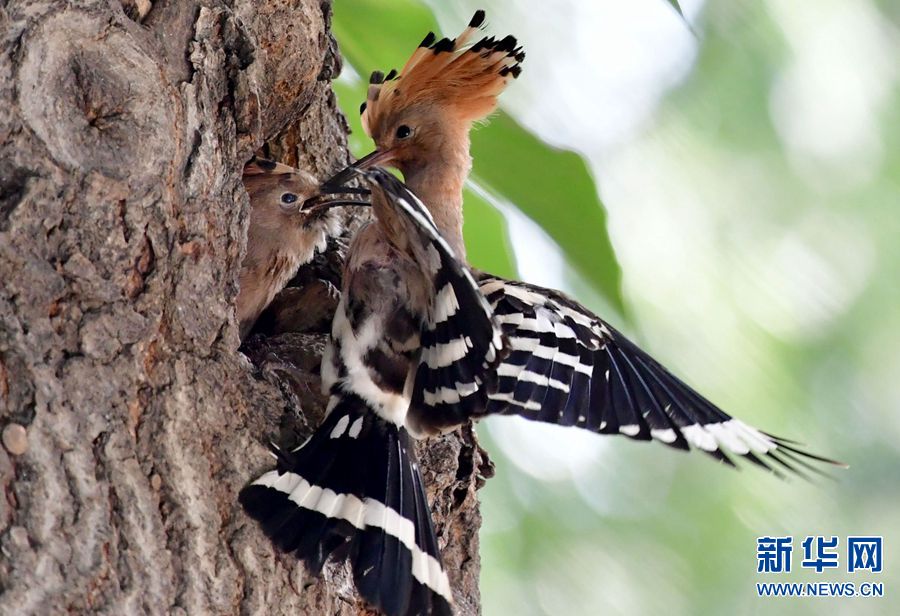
<point x="463" y="79"/>
<point x="282" y="235"/>
<point x="420" y="118"/>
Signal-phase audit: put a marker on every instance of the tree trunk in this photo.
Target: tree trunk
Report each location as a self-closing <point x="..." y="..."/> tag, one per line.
<point x="130" y="419"/>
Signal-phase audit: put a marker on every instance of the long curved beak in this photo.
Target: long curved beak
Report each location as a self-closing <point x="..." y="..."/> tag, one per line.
<point x="335" y="184"/>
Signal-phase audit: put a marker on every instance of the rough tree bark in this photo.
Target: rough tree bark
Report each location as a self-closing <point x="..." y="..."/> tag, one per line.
<point x="123" y="130"/>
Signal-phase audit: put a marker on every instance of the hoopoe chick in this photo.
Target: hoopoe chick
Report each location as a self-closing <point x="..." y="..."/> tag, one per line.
<point x="283" y="234"/>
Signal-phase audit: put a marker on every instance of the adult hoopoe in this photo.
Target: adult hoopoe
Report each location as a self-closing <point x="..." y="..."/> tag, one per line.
<point x="564" y="365"/>
<point x="283" y="234"/>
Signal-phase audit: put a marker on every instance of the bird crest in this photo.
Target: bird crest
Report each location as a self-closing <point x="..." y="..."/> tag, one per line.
<point x="462" y="77"/>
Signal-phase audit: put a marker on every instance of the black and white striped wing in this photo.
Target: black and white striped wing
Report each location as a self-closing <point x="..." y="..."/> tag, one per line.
<point x="460" y="341"/>
<point x="566" y="366"/>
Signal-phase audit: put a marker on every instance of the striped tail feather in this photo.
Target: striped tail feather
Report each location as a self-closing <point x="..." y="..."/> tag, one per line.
<point x="354" y="490"/>
<point x="566" y="366"/>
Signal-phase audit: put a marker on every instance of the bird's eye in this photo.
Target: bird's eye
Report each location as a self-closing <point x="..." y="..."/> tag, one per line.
<point x="288" y="198"/>
<point x="403" y="131"/>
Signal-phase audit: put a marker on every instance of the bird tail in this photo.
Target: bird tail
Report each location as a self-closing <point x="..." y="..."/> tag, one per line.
<point x="463" y="77"/>
<point x="354" y="490"/>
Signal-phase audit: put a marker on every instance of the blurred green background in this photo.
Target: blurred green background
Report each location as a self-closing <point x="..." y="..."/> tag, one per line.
<point x="747" y="157"/>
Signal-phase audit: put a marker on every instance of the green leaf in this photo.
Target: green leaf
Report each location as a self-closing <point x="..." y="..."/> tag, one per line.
<point x="487" y="237"/>
<point x="552" y="187"/>
<point x="350" y="95"/>
<point x="677" y="7"/>
<point x="380" y="34"/>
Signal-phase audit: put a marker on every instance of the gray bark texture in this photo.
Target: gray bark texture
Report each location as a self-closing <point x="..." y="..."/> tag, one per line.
<point x="130" y="419"/>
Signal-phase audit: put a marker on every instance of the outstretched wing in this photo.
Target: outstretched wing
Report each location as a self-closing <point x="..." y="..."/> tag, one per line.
<point x="567" y="366"/>
<point x="460" y="341"/>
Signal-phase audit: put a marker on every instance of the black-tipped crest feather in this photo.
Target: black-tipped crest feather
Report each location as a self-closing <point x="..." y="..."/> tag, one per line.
<point x="443" y="72"/>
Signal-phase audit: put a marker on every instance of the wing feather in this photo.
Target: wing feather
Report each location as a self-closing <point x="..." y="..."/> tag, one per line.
<point x="583" y="372"/>
<point x="461" y="343"/>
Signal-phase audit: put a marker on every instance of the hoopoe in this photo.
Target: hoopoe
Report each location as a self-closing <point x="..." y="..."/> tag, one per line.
<point x="420" y="345"/>
<point x="565" y="365"/>
<point x="354" y="488"/>
<point x="283" y="234"/>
